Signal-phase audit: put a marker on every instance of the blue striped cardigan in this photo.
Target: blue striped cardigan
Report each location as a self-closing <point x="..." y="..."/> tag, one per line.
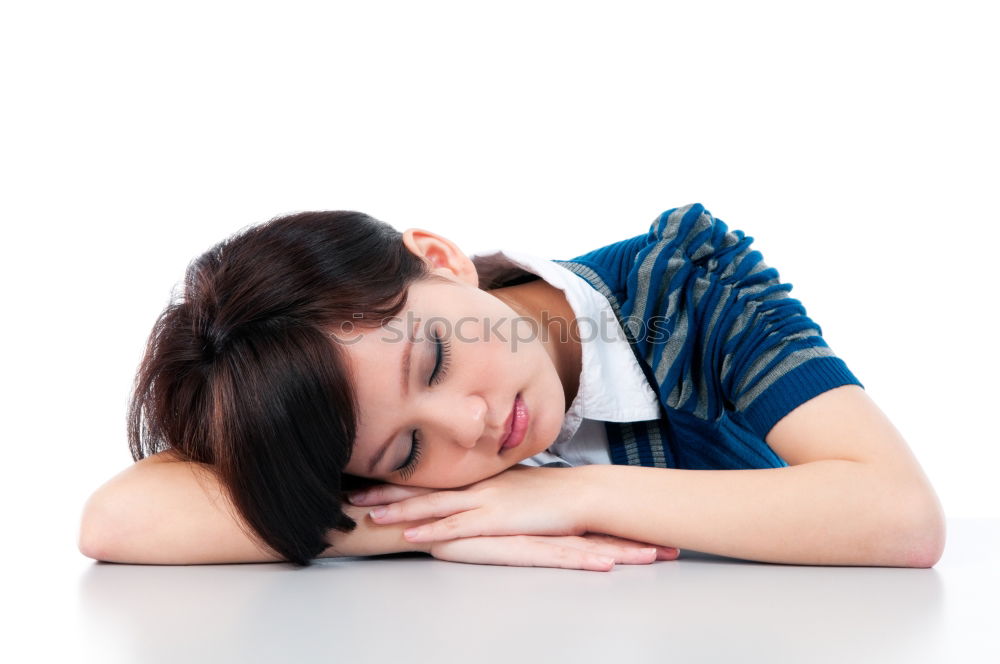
<point x="726" y="350"/>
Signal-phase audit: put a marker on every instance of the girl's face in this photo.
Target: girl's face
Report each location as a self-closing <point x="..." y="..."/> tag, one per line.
<point x="446" y="371"/>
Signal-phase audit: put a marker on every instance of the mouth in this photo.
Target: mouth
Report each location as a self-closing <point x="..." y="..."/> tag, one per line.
<point x="517" y="424"/>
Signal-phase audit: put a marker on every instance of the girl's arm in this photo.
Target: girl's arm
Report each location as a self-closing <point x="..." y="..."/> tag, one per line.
<point x="165" y="511"/>
<point x="162" y="510"/>
<point x="830" y="512"/>
<point x="853" y="494"/>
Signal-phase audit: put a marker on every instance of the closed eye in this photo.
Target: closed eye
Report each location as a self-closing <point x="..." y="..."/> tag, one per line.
<point x="442" y="361"/>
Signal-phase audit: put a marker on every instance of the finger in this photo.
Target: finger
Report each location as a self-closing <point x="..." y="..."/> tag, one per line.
<point x="629" y="555"/>
<point x="435" y="504"/>
<point x="383" y="494"/>
<point x="464" y="524"/>
<point x="569" y="557"/>
<point x="623" y="551"/>
<point x="520" y="551"/>
<point x="662" y="552"/>
<point x="624" y="554"/>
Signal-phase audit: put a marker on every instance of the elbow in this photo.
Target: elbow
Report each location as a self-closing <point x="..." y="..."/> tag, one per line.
<point x="93" y="539"/>
<point x="928" y="534"/>
<point x="91" y="546"/>
<point x="931" y="539"/>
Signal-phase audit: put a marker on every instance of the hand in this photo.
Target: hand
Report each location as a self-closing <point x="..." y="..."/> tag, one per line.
<point x="370" y="538"/>
<point x="592" y="551"/>
<point x="522" y="500"/>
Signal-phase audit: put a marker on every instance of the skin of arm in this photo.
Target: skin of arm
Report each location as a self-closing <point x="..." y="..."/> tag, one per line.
<point x="165" y="511"/>
<point x="824" y="512"/>
<point x="162" y="510"/>
<point x="852" y="494"/>
<point x="831" y="512"/>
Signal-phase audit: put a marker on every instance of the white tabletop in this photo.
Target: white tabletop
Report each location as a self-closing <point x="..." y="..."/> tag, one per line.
<point x="699" y="608"/>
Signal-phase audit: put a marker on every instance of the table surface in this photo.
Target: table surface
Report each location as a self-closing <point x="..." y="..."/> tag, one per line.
<point x="409" y="607"/>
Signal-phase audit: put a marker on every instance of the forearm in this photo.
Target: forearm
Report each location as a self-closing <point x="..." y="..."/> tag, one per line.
<point x="169" y="512"/>
<point x="831" y="512"/>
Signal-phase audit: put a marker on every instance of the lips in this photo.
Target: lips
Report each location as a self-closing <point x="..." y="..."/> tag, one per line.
<point x="517" y="424"/>
<point x="507" y="425"/>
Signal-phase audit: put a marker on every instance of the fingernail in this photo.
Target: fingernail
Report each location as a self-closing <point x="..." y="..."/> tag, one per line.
<point x="411" y="533"/>
<point x="379" y="512"/>
<point x="648" y="551"/>
<point x="357" y="497"/>
<point x="606" y="560"/>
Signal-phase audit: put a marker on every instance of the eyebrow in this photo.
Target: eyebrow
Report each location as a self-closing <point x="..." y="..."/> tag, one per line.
<point x="404" y="386"/>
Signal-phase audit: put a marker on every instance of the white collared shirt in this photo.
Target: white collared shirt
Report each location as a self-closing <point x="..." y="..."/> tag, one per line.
<point x="612" y="386"/>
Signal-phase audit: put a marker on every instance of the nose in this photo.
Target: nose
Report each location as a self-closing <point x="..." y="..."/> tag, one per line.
<point x="464" y="424"/>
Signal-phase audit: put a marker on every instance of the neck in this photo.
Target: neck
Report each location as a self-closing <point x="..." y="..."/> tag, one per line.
<point x="547" y="306"/>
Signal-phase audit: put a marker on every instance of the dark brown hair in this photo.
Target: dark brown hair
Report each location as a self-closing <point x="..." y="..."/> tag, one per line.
<point x="240" y="371"/>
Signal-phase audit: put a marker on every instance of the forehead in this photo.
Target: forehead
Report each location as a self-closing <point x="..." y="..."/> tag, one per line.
<point x="375" y="355"/>
<point x="379" y="351"/>
<point x="374" y="360"/>
<point x="430" y="302"/>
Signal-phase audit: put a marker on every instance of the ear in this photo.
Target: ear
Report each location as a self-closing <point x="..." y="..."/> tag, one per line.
<point x="442" y="255"/>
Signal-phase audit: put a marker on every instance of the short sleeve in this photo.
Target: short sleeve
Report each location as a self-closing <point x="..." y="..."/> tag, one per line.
<point x="721" y="332"/>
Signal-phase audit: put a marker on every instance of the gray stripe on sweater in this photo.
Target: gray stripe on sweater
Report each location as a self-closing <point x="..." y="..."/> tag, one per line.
<point x="793" y="360"/>
<point x="631" y="446"/>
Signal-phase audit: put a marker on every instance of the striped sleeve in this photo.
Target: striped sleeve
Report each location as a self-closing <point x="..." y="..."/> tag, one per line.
<point x="721" y="332"/>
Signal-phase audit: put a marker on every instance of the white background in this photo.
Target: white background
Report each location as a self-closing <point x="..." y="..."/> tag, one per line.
<point x="856" y="142"/>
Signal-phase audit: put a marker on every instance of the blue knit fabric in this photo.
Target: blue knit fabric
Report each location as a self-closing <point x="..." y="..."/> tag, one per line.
<point x="724" y="347"/>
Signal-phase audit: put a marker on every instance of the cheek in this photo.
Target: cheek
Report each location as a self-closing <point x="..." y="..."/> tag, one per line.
<point x="355" y="467"/>
<point x="548" y="412"/>
<point x="451" y="474"/>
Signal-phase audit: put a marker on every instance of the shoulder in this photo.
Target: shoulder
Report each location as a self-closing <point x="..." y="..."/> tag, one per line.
<point x="166" y="456"/>
<point x="693" y="234"/>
